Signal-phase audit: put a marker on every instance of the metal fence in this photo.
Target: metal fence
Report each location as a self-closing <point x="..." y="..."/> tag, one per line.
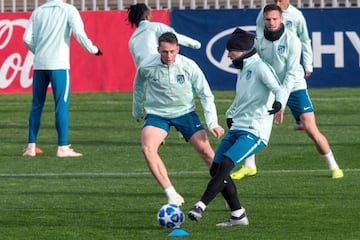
<point x="94" y="5"/>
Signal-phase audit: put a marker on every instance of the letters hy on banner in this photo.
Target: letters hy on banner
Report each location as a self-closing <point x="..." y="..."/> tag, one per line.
<point x="336" y="44"/>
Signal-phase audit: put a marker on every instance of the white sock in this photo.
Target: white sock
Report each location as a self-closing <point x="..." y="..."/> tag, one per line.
<point x="250" y="162"/>
<point x="237" y="213"/>
<point x="31" y="145"/>
<point x="170" y="192"/>
<point x="201" y="205"/>
<point x="330" y="160"/>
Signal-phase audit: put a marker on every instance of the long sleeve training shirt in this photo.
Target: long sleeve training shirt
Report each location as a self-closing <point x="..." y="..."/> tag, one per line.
<point x="284" y="56"/>
<point x="295" y="22"/>
<point x="144" y="41"/>
<point x="257" y="87"/>
<point x="47" y="35"/>
<point x="171" y="89"/>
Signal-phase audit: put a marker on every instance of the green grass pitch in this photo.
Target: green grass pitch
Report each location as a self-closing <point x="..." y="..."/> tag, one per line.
<point x="109" y="193"/>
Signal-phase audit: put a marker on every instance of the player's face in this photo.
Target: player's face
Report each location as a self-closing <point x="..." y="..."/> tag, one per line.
<point x="272" y="20"/>
<point x="168" y="52"/>
<point x="283" y="4"/>
<point x="235" y="54"/>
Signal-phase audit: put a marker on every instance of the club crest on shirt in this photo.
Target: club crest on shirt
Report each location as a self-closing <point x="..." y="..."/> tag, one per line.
<point x="281" y="49"/>
<point x="180" y="79"/>
<point x="248" y="74"/>
<point x="288" y="24"/>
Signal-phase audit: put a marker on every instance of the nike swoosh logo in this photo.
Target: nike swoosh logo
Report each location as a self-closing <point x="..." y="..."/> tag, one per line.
<point x="306" y="108"/>
<point x="248" y="136"/>
<point x="198" y="125"/>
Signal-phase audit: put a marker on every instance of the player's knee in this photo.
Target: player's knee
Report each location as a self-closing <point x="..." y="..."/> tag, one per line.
<point x="148" y="150"/>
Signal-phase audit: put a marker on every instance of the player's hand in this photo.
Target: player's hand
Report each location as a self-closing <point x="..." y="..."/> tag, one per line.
<point x="217" y="132"/>
<point x="275" y="107"/>
<point x="307" y="74"/>
<point x="99" y="53"/>
<point x="196" y="45"/>
<point x="279" y="117"/>
<point x="229" y="122"/>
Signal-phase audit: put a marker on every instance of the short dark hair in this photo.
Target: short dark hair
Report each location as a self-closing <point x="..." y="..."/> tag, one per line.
<point x="272" y="7"/>
<point x="168" y="37"/>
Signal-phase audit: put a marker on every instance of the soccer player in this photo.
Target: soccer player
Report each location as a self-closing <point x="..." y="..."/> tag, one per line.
<point x="294" y="21"/>
<point x="47" y="36"/>
<point x="172" y="83"/>
<point x="282" y="49"/>
<point x="144" y="40"/>
<point x="259" y="95"/>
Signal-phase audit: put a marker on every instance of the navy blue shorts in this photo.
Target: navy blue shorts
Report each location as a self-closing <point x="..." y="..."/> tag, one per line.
<point x="187" y="124"/>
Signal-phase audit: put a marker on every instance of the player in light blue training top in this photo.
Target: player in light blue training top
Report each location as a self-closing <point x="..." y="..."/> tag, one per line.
<point x="294" y="21"/>
<point x="172" y="83"/>
<point x="250" y="117"/>
<point x="281" y="48"/>
<point x="47" y="36"/>
<point x="144" y="40"/>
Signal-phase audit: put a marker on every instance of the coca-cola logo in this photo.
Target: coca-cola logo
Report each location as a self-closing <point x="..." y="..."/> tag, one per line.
<point x="13" y="64"/>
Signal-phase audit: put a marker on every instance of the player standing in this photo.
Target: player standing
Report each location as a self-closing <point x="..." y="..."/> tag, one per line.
<point x="47" y="36"/>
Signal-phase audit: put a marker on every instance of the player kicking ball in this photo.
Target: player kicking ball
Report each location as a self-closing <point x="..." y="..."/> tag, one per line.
<point x="259" y="97"/>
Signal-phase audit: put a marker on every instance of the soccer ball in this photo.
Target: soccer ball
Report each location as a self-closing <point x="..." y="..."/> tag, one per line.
<point x="170" y="216"/>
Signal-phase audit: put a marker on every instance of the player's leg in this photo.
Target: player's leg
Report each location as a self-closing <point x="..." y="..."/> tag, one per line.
<point x="155" y="130"/>
<point x="321" y="143"/>
<point x="201" y="144"/>
<point x="39" y="89"/>
<point x="193" y="132"/>
<point x="234" y="148"/>
<point x="301" y="107"/>
<point x="60" y="83"/>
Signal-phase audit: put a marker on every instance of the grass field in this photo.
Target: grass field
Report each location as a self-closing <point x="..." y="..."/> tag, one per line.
<point x="109" y="193"/>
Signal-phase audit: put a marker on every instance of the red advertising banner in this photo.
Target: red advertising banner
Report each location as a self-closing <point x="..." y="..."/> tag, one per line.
<point x="109" y="30"/>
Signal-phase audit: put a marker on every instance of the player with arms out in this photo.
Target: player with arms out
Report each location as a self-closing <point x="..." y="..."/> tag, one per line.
<point x="144" y="41"/>
<point x="172" y="83"/>
<point x="259" y="95"/>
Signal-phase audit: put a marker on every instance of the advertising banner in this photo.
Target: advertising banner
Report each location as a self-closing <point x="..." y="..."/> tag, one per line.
<point x="335" y="41"/>
<point x="109" y="30"/>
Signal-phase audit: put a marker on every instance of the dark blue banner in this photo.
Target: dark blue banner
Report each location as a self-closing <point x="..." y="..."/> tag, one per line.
<point x="334" y="34"/>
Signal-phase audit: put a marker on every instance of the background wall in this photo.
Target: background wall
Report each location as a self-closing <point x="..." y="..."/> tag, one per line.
<point x="334" y="34"/>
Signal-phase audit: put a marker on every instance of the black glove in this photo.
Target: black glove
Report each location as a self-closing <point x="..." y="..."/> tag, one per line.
<point x="275" y="107"/>
<point x="229" y="122"/>
<point x="99" y="53"/>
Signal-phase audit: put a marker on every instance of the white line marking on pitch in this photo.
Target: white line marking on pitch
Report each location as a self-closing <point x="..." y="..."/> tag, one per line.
<point x="121" y="174"/>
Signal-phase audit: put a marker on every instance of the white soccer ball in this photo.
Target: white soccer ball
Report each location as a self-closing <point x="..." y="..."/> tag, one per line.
<point x="170" y="216"/>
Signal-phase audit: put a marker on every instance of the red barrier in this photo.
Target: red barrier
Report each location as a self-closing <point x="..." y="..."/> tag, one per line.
<point x="114" y="71"/>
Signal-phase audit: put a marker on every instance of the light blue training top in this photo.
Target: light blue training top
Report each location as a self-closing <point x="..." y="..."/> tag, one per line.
<point x="144" y="41"/>
<point x="294" y="21"/>
<point x="257" y="87"/>
<point x="47" y="35"/>
<point x="284" y="56"/>
<point x="171" y="90"/>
